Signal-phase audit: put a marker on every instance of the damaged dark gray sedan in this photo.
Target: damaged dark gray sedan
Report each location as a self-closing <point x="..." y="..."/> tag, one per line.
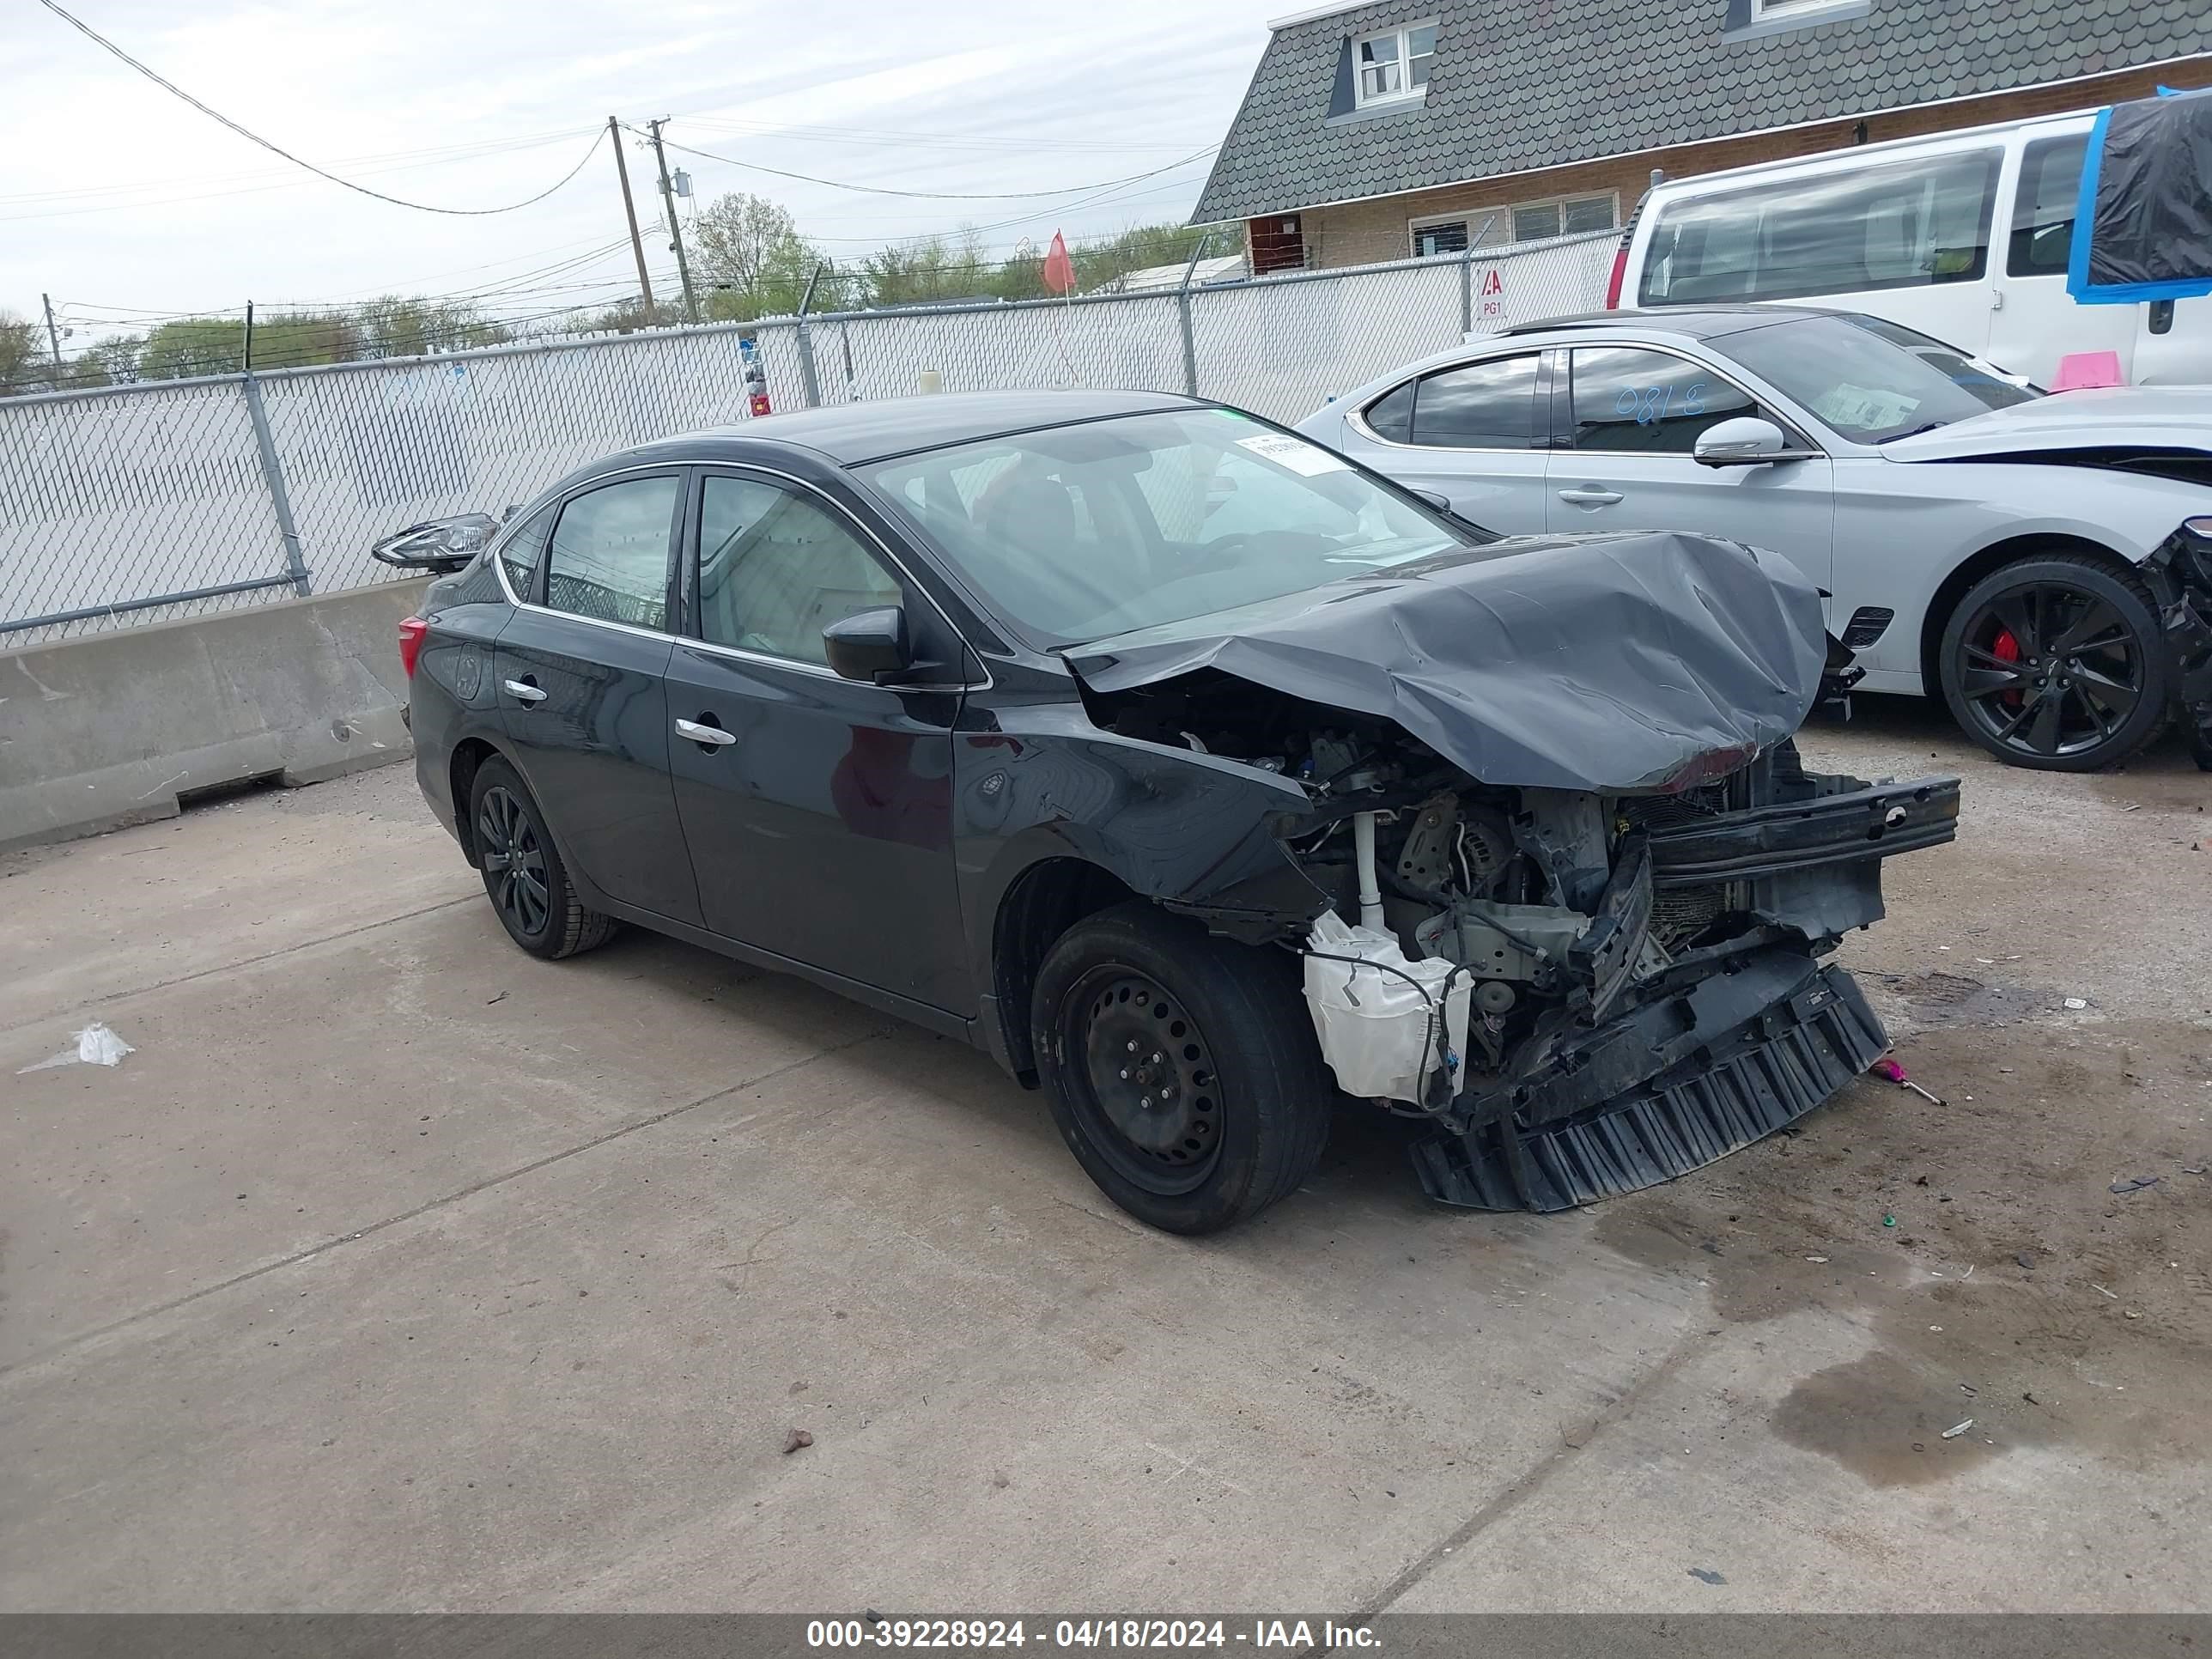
<point x="1199" y="775"/>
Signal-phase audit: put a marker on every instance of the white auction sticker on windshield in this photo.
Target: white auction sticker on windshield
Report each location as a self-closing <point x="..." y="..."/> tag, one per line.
<point x="1308" y="460"/>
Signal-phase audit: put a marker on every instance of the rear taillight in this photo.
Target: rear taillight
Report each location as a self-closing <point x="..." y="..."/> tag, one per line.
<point x="411" y="630"/>
<point x="1620" y="275"/>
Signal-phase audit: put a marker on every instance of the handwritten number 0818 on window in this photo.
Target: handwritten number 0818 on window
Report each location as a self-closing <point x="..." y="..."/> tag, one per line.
<point x="1648" y="405"/>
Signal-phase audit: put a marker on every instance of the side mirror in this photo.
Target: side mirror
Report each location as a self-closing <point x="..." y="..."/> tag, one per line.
<point x="1436" y="498"/>
<point x="869" y="645"/>
<point x="1745" y="441"/>
<point x="440" y="544"/>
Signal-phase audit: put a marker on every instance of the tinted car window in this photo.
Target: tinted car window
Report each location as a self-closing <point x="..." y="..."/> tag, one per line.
<point x="1391" y="416"/>
<point x="1908" y="224"/>
<point x="1490" y="406"/>
<point x="521" y="551"/>
<point x="776" y="568"/>
<point x="1625" y="398"/>
<point x="609" y="558"/>
<point x="2042" y="210"/>
<point x="1869" y="379"/>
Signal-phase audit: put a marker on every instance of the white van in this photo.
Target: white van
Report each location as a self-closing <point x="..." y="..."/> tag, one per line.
<point x="1963" y="236"/>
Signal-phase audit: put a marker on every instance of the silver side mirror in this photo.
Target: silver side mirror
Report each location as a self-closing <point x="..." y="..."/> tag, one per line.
<point x="1745" y="441"/>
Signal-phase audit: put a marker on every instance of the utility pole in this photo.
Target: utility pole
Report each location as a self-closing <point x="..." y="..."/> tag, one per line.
<point x="629" y="212"/>
<point x="675" y="231"/>
<point x="53" y="339"/>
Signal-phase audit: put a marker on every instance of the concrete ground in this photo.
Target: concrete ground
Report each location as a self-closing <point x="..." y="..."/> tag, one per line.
<point x="396" y="1270"/>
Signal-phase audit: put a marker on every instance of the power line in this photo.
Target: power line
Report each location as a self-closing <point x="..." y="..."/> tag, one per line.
<point x="171" y="87"/>
<point x="934" y="195"/>
<point x="396" y="161"/>
<point x="876" y="136"/>
<point x="1060" y="208"/>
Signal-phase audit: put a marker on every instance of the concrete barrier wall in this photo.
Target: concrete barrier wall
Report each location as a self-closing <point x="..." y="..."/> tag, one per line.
<point x="111" y="728"/>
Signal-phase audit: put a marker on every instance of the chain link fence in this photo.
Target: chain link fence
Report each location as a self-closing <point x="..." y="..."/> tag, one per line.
<point x="129" y="504"/>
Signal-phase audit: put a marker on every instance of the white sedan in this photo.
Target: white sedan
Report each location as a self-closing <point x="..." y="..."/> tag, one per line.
<point x="2043" y="562"/>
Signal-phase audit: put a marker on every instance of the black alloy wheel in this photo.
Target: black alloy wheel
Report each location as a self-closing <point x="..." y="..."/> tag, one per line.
<point x="523" y="873"/>
<point x="514" y="862"/>
<point x="2054" y="663"/>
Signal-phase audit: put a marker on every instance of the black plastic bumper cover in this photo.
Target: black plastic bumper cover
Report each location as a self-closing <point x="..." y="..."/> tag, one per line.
<point x="1741" y="1081"/>
<point x="2180" y="574"/>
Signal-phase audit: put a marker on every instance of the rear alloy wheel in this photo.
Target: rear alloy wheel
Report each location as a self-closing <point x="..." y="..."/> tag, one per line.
<point x="522" y="870"/>
<point x="1182" y="1069"/>
<point x="2054" y="663"/>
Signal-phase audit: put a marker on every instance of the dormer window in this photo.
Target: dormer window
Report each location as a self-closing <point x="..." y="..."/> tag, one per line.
<point x="1394" y="64"/>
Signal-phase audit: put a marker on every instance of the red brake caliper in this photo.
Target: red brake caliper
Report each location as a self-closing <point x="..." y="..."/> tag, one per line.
<point x="2006" y="648"/>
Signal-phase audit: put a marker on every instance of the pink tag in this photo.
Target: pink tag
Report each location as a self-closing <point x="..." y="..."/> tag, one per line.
<point x="2078" y="371"/>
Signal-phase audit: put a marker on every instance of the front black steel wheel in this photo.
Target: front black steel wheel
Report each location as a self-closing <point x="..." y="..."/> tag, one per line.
<point x="1182" y="1069"/>
<point x="523" y="875"/>
<point x="1146" y="1087"/>
<point x="2055" y="664"/>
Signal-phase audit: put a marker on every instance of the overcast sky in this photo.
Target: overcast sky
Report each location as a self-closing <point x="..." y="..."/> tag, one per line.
<point x="119" y="200"/>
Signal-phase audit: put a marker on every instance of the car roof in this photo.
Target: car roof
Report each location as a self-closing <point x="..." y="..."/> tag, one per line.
<point x="849" y="434"/>
<point x="1694" y="322"/>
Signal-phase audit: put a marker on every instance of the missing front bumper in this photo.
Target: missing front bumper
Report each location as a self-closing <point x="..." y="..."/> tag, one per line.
<point x="1733" y="1078"/>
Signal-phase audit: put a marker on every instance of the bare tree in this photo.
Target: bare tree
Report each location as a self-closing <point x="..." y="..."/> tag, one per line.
<point x="750" y="256"/>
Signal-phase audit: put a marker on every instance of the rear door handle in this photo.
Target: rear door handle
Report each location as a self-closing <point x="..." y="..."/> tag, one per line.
<point x="713" y="736"/>
<point x="1590" y="497"/>
<point x="524" y="690"/>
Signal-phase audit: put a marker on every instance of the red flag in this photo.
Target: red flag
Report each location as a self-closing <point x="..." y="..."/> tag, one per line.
<point x="1059" y="269"/>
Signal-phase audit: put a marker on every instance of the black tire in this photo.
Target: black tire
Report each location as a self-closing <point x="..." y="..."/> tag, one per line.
<point x="1236" y="1101"/>
<point x="523" y="875"/>
<point x="2055" y="663"/>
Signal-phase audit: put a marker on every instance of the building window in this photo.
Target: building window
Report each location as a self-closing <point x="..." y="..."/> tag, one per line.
<point x="1533" y="221"/>
<point x="1523" y="222"/>
<point x="1446" y="236"/>
<point x="1774" y="7"/>
<point x="1395" y="64"/>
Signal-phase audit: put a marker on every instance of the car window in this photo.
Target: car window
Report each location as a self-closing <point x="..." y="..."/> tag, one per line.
<point x="1906" y="224"/>
<point x="521" y="551"/>
<point x="776" y="567"/>
<point x="2043" y="208"/>
<point x="1100" y="526"/>
<point x="1486" y="406"/>
<point x="1391" y="414"/>
<point x="609" y="558"/>
<point x="1869" y="379"/>
<point x="1625" y="398"/>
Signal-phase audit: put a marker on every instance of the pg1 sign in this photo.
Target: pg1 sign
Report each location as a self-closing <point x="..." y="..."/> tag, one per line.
<point x="1490" y="300"/>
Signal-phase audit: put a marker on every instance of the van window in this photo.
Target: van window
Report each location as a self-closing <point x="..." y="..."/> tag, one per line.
<point x="1908" y="224"/>
<point x="2043" y="210"/>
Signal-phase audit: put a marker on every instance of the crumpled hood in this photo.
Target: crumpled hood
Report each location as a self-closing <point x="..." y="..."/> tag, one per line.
<point x="2120" y="417"/>
<point x="1609" y="663"/>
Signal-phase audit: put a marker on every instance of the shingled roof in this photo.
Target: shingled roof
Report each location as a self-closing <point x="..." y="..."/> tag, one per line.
<point x="1531" y="84"/>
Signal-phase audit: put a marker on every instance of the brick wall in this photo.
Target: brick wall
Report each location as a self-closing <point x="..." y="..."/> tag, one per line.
<point x="1359" y="233"/>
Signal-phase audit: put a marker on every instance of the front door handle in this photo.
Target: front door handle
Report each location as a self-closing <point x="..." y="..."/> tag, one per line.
<point x="524" y="690"/>
<point x="1590" y="496"/>
<point x="713" y="736"/>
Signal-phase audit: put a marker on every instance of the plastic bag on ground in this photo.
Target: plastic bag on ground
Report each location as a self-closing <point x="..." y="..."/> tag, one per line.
<point x="95" y="1046"/>
<point x="1377" y="1015"/>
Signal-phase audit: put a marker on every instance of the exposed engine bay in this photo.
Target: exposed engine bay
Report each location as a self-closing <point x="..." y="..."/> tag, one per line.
<point x="1639" y="970"/>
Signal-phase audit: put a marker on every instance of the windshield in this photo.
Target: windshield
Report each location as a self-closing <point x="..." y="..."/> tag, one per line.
<point x="1078" y="531"/>
<point x="1870" y="380"/>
